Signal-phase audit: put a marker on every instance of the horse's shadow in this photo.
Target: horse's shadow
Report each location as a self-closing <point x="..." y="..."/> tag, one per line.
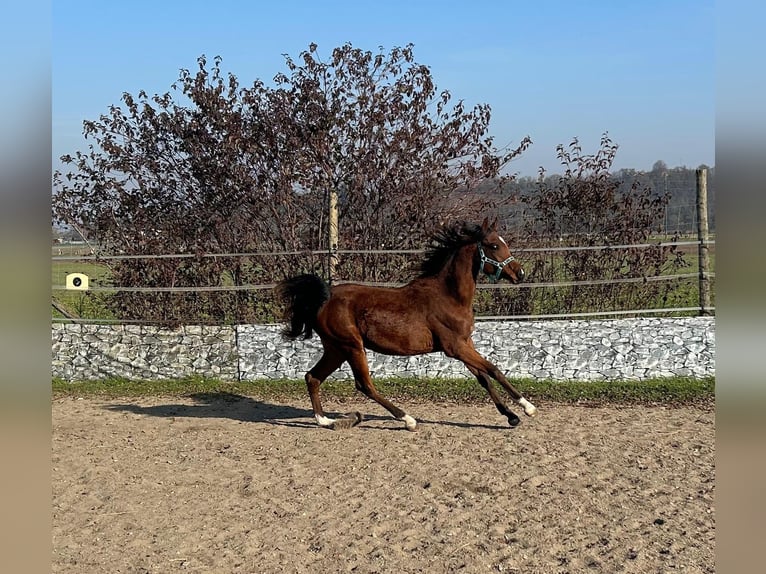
<point x="225" y="405"/>
<point x="247" y="409"/>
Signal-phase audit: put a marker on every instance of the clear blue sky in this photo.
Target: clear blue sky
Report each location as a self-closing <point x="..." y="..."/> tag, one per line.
<point x="550" y="69"/>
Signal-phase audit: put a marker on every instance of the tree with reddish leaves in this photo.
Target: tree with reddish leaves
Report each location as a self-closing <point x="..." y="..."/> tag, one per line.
<point x="375" y="128"/>
<point x="214" y="167"/>
<point x="588" y="206"/>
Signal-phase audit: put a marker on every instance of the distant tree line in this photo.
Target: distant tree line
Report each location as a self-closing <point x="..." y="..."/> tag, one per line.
<point x="678" y="184"/>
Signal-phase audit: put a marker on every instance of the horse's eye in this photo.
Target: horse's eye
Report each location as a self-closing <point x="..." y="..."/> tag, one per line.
<point x="494" y="246"/>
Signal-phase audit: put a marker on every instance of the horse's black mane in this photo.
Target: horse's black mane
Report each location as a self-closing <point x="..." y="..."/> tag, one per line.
<point x="446" y="242"/>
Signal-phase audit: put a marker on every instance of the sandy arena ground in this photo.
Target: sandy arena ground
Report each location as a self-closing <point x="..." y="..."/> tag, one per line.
<point x="232" y="485"/>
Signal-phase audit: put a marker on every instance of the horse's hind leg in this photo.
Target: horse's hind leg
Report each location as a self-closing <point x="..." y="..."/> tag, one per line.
<point x="328" y="363"/>
<point x="358" y="361"/>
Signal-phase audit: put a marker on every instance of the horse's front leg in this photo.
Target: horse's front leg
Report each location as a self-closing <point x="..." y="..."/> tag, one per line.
<point x="483" y="369"/>
<point x="529" y="409"/>
<point x="484" y="381"/>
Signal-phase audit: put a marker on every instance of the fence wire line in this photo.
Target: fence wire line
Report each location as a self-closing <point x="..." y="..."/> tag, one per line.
<point x="590" y="314"/>
<point x="481" y="286"/>
<point x="267" y="286"/>
<point x="366" y="251"/>
<point x="476" y="318"/>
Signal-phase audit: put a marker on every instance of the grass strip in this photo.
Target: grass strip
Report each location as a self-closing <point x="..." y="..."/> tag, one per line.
<point x="669" y="391"/>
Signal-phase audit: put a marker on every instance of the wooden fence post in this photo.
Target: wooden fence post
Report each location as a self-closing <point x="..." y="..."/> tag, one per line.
<point x="333" y="234"/>
<point x="703" y="236"/>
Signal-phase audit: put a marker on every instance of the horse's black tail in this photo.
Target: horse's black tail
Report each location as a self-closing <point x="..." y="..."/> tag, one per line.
<point x="302" y="296"/>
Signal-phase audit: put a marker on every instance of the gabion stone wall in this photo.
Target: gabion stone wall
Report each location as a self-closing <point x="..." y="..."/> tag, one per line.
<point x="559" y="350"/>
<point x="91" y="352"/>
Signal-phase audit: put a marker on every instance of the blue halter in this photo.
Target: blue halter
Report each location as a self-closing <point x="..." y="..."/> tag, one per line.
<point x="498" y="264"/>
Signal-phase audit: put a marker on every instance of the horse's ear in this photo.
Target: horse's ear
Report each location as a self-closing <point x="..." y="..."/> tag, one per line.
<point x="494" y="225"/>
<point x="485" y="225"/>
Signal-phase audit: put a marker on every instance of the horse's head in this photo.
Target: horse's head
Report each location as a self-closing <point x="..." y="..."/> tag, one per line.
<point x="495" y="256"/>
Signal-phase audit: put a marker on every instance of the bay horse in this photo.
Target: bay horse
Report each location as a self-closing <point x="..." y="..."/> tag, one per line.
<point x="431" y="313"/>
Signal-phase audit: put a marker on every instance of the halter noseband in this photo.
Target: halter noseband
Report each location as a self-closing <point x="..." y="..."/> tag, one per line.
<point x="499" y="265"/>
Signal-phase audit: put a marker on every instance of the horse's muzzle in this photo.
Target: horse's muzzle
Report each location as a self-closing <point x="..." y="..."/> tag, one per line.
<point x="515" y="273"/>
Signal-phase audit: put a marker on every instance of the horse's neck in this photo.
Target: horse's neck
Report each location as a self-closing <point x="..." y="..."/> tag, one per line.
<point x="458" y="276"/>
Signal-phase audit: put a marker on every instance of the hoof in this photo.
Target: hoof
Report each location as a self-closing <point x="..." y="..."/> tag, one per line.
<point x="529" y="409"/>
<point x="410" y="423"/>
<point x="514" y="421"/>
<point x="324" y="421"/>
<point x="347" y="422"/>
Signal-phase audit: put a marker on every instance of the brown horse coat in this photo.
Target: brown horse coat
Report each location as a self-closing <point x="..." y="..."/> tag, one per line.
<point x="431" y="313"/>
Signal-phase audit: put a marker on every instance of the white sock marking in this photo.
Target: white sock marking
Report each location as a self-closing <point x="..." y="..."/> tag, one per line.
<point x="409" y="422"/>
<point x="529" y="408"/>
<point x="324" y="421"/>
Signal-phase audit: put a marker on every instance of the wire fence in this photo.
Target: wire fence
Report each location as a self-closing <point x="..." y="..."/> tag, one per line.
<point x="567" y="276"/>
<point x="551" y="291"/>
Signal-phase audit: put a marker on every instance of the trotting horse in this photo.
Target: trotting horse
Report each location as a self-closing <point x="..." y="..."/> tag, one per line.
<point x="431" y="313"/>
